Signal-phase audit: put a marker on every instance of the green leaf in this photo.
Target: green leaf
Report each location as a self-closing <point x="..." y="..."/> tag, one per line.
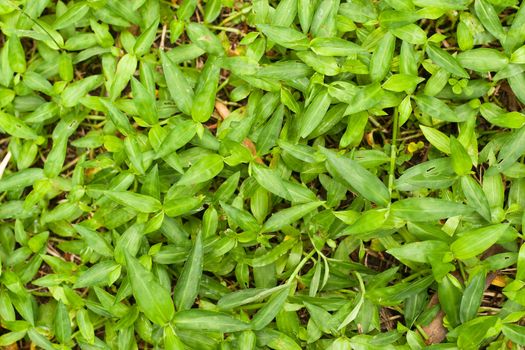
<point x="472" y="297"/>
<point x="203" y="320"/>
<point x="152" y="299"/>
<point x="145" y="40"/>
<point x="119" y="119"/>
<point x="94" y="241"/>
<point x="324" y="320"/>
<point x="37" y="82"/>
<point x="285" y="36"/>
<point x="446" y="61"/>
<point x="434" y="174"/>
<point x="206" y="168"/>
<point x="187" y="286"/>
<point x="136" y="201"/>
<point x="270" y="180"/>
<point x="488" y="17"/>
<point x="181" y="133"/>
<point x="181" y="205"/>
<point x="133" y="151"/>
<point x="204" y="100"/>
<point x="355" y="176"/>
<point x="305" y="12"/>
<point x="98" y="274"/>
<point x="302" y="152"/>
<point x="288" y="216"/>
<point x="212" y="11"/>
<point x="449" y="293"/>
<point x="427" y="209"/>
<point x="85" y="326"/>
<point x="74" y="13"/>
<point x="402" y="82"/>
<point x="436" y="138"/>
<point x="285" y="13"/>
<point x="512" y="149"/>
<point x="19" y="180"/>
<point x="366" y="98"/>
<point x="461" y="161"/>
<point x="17" y="60"/>
<point x="276" y="340"/>
<point x="10" y="338"/>
<point x="476" y="241"/>
<point x="125" y="69"/>
<point x="420" y="252"/>
<point x="323" y="22"/>
<point x="322" y="64"/>
<point x="520" y="274"/>
<point x="436" y="108"/>
<point x="144" y="102"/>
<point x="518" y="56"/>
<point x="16" y="127"/>
<point x="204" y="38"/>
<point x="313" y="115"/>
<point x="270" y="132"/>
<point x="476" y="197"/>
<point x="483" y="60"/>
<point x="288" y="70"/>
<point x="246" y="296"/>
<point x="437" y="82"/>
<point x="465" y="36"/>
<point x="241" y="217"/>
<point x="62" y="323"/>
<point x="382" y="57"/>
<point x="410" y="33"/>
<point x="515" y="333"/>
<point x="395" y="19"/>
<point x="129" y="242"/>
<point x="369" y="221"/>
<point x="171" y="340"/>
<point x="272" y="307"/>
<point x="180" y="90"/>
<point x="39" y="340"/>
<point x="499" y="117"/>
<point x="186" y="9"/>
<point x="274" y="254"/>
<point x="334" y="47"/>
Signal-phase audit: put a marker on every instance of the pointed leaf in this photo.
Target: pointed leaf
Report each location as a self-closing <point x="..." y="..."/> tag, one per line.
<point x="203" y="320"/>
<point x="476" y="241"/>
<point x="152" y="299"/>
<point x="288" y="216"/>
<point x="188" y="283"/>
<point x="206" y="168"/>
<point x="136" y="201"/>
<point x="427" y="209"/>
<point x="357" y="177"/>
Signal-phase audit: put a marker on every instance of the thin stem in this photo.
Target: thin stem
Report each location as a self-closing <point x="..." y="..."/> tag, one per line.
<point x="300" y="266"/>
<point x="163" y="37"/>
<point x="4" y="163"/>
<point x="393" y="151"/>
<point x="224" y="84"/>
<point x="237" y="14"/>
<point x="226" y="29"/>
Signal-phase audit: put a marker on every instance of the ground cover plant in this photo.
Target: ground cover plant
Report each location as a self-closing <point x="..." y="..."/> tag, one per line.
<point x="294" y="174"/>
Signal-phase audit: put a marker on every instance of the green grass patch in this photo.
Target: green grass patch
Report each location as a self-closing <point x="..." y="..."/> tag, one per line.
<point x="294" y="174"/>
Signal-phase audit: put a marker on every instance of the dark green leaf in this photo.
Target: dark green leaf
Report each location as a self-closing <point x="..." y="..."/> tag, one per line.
<point x="153" y="300"/>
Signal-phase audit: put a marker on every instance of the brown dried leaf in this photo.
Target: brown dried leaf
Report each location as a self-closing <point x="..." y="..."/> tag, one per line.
<point x="221" y="108"/>
<point x="435" y="330"/>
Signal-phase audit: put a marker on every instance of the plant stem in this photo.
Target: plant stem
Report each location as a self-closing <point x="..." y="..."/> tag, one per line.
<point x="393" y="151"/>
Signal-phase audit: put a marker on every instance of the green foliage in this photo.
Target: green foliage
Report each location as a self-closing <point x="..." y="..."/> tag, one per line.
<point x="294" y="174"/>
